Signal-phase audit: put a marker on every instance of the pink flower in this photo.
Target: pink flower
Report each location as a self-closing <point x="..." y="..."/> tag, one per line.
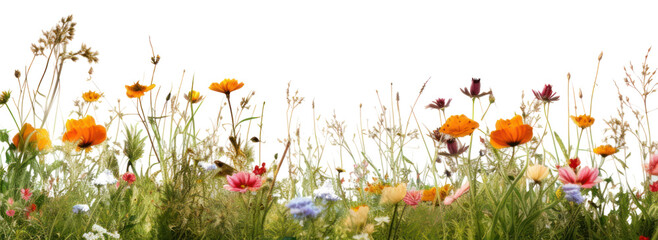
<point x="10" y="213"/>
<point x="10" y="201"/>
<point x="413" y="198"/>
<point x="652" y="167"/>
<point x="243" y="181"/>
<point x="586" y="177"/>
<point x="26" y="194"/>
<point x="129" y="177"/>
<point x="459" y="193"/>
<point x="654" y="187"/>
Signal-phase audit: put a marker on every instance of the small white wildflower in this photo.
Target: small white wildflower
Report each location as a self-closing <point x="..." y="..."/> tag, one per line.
<point x="97" y="228"/>
<point x="207" y="166"/>
<point x="382" y="220"/>
<point x="91" y="236"/>
<point x="114" y="234"/>
<point x="80" y="208"/>
<point x="104" y="178"/>
<point x="362" y="236"/>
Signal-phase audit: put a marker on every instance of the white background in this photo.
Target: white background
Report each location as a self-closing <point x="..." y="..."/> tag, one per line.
<point x="340" y="52"/>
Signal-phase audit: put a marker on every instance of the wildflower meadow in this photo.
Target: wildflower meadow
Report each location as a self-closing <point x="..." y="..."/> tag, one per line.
<point x="153" y="169"/>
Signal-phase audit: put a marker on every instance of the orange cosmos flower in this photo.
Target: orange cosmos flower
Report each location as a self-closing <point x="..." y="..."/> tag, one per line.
<point x="37" y="136"/>
<point x="583" y="121"/>
<point x="429" y="195"/>
<point x="510" y="133"/>
<point x="136" y="90"/>
<point x="605" y="150"/>
<point x="459" y="126"/>
<point x="84" y="132"/>
<point x="193" y="96"/>
<point x="91" y="96"/>
<point x="226" y="86"/>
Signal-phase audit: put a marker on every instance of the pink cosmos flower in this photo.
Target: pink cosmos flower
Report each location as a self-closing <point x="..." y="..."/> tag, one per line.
<point x="458" y="193"/>
<point x="10" y="213"/>
<point x="413" y="198"/>
<point x="26" y="194"/>
<point x="243" y="181"/>
<point x="586" y="177"/>
<point x="129" y="177"/>
<point x="652" y="167"/>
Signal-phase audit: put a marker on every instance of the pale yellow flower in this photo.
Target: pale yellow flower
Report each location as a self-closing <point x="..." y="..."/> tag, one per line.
<point x="357" y="216"/>
<point x="537" y="173"/>
<point x="393" y="195"/>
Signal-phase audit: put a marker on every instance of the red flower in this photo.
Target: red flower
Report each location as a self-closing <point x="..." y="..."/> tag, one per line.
<point x="547" y="94"/>
<point x="129" y="177"/>
<point x="644" y="238"/>
<point x="654" y="187"/>
<point x="32" y="208"/>
<point x="26" y="194"/>
<point x="574" y="163"/>
<point x="260" y="170"/>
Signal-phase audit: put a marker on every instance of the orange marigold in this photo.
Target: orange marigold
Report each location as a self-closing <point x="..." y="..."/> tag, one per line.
<point x="36" y="136"/>
<point x="459" y="126"/>
<point x="510" y="133"/>
<point x="583" y="121"/>
<point x="84" y="132"/>
<point x="605" y="150"/>
<point x="226" y="86"/>
<point x="429" y="195"/>
<point x="136" y="90"/>
<point x="91" y="96"/>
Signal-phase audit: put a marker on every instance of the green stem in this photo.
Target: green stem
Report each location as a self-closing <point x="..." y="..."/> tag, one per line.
<point x="390" y="227"/>
<point x="507" y="193"/>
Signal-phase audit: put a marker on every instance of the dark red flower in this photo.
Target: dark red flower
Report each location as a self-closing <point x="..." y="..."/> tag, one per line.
<point x="547" y="94"/>
<point x="439" y="104"/>
<point x="654" y="187"/>
<point x="644" y="238"/>
<point x="454" y="148"/>
<point x="474" y="90"/>
<point x="30" y="209"/>
<point x="260" y="170"/>
<point x="574" y="163"/>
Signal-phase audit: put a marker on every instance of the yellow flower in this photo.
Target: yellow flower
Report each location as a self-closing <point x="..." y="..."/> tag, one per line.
<point x="459" y="126"/>
<point x="136" y="90"/>
<point x="537" y="173"/>
<point x="91" y="96"/>
<point x="393" y="195"/>
<point x="445" y="191"/>
<point x="36" y="136"/>
<point x="510" y="133"/>
<point x="605" y="150"/>
<point x="357" y="216"/>
<point x="559" y="193"/>
<point x="583" y="121"/>
<point x="226" y="86"/>
<point x="193" y="96"/>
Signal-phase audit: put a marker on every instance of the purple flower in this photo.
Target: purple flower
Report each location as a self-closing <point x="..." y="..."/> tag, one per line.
<point x="303" y="207"/>
<point x="572" y="193"/>
<point x="439" y="104"/>
<point x="474" y="90"/>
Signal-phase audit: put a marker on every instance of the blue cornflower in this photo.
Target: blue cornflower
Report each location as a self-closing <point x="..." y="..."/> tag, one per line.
<point x="303" y="207"/>
<point x="326" y="192"/>
<point x="572" y="193"/>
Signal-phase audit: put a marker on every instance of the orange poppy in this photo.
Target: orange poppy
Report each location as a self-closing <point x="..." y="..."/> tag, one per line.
<point x="510" y="133"/>
<point x="37" y="136"/>
<point x="459" y="126"/>
<point x="91" y="96"/>
<point x="429" y="195"/>
<point x="84" y="132"/>
<point x="226" y="86"/>
<point x="136" y="90"/>
<point x="605" y="150"/>
<point x="583" y="121"/>
<point x="193" y="96"/>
